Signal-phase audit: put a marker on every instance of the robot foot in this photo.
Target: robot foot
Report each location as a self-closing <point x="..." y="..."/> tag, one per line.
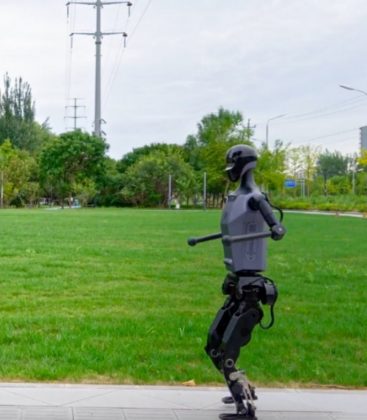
<point x="249" y="415"/>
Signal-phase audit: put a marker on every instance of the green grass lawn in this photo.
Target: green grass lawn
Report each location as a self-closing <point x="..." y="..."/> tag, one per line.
<point x="116" y="296"/>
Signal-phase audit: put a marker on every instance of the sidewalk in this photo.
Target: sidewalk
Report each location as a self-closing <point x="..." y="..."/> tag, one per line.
<point x="328" y="213"/>
<point x="115" y="402"/>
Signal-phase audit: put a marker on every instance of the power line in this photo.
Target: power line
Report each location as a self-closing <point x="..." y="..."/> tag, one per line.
<point x="141" y="18"/>
<point x="342" y="106"/>
<point x="326" y="114"/>
<point x="117" y="61"/>
<point x="326" y="109"/>
<point x="122" y="51"/>
<point x="326" y="136"/>
<point x="69" y="51"/>
<point x="108" y="58"/>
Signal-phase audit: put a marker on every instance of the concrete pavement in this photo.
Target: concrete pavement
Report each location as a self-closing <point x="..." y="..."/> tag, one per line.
<point x="115" y="402"/>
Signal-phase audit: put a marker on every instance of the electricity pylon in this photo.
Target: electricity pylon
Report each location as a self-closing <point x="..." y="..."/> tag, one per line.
<point x="98" y="35"/>
<point x="75" y="115"/>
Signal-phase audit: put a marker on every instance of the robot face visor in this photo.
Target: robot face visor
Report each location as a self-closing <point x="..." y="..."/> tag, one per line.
<point x="232" y="173"/>
<point x="229" y="167"/>
<point x="237" y="168"/>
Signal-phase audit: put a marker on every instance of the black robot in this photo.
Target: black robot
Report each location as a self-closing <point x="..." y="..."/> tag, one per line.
<point x="243" y="233"/>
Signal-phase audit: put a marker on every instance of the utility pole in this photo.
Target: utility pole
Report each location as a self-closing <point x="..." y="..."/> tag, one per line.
<point x="204" y="192"/>
<point x="267" y="127"/>
<point x="75" y="115"/>
<point x="98" y="35"/>
<point x="169" y="190"/>
<point x="249" y="129"/>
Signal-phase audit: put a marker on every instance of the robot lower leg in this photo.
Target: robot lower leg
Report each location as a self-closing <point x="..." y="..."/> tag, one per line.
<point x="230" y="331"/>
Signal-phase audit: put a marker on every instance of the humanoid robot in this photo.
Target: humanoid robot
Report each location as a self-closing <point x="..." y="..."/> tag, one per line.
<point x="245" y="215"/>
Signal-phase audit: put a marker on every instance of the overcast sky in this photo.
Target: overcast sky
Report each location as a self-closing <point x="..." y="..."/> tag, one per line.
<point x="186" y="58"/>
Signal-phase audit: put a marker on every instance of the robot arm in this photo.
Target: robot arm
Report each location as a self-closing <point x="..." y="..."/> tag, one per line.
<point x="260" y="202"/>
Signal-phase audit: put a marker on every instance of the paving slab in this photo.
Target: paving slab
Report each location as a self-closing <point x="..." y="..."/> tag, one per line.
<point x="115" y="402"/>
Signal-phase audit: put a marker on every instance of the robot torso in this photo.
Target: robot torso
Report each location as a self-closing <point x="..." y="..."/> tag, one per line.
<point x="238" y="219"/>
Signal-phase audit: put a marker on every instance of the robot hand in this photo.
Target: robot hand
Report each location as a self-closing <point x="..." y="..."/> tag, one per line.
<point x="277" y="232"/>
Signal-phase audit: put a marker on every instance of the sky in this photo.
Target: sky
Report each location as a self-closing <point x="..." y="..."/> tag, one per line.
<point x="278" y="62"/>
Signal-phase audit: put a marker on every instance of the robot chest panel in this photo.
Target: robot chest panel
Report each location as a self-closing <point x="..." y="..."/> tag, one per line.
<point x="238" y="218"/>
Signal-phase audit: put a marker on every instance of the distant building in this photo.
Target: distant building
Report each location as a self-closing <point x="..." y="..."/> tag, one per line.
<point x="363" y="131"/>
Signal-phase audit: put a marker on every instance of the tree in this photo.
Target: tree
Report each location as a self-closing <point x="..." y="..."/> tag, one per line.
<point x="146" y="181"/>
<point x="16" y="170"/>
<point x="109" y="185"/>
<point x="363" y="159"/>
<point x="17" y="117"/>
<point x="310" y="157"/>
<point x="17" y="101"/>
<point x="70" y="161"/>
<point x="301" y="162"/>
<point x="270" y="168"/>
<point x="7" y="153"/>
<point x="338" y="185"/>
<point x="206" y="150"/>
<point x="330" y="165"/>
<point x="132" y="157"/>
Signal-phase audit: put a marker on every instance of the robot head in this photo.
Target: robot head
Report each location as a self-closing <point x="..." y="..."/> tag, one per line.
<point x="240" y="159"/>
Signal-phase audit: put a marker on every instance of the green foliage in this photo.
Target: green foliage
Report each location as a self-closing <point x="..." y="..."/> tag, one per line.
<point x="109" y="185"/>
<point x="270" y="167"/>
<point x="301" y="163"/>
<point x="130" y="158"/>
<point x="338" y="185"/>
<point x="17" y="122"/>
<point x="16" y="102"/>
<point x="330" y="165"/>
<point x="207" y="149"/>
<point x="146" y="181"/>
<point x="224" y="126"/>
<point x="363" y="159"/>
<point x="348" y="203"/>
<point x="16" y="170"/>
<point x="35" y="163"/>
<point x="70" y="161"/>
<point x="361" y="183"/>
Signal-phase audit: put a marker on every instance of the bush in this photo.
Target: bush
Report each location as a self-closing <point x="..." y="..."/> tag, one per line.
<point x="330" y="203"/>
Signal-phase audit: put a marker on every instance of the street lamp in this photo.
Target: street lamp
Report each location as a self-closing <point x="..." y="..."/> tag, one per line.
<point x="356" y="90"/>
<point x="350" y="88"/>
<point x="267" y="126"/>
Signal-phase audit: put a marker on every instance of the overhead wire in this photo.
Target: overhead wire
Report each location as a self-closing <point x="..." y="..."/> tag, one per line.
<point x="122" y="51"/>
<point x="108" y="56"/>
<point x="69" y="53"/>
<point x="329" y="135"/>
<point x="326" y="114"/>
<point x="343" y="106"/>
<point x="326" y="109"/>
<point x="141" y="18"/>
<point x="118" y="57"/>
